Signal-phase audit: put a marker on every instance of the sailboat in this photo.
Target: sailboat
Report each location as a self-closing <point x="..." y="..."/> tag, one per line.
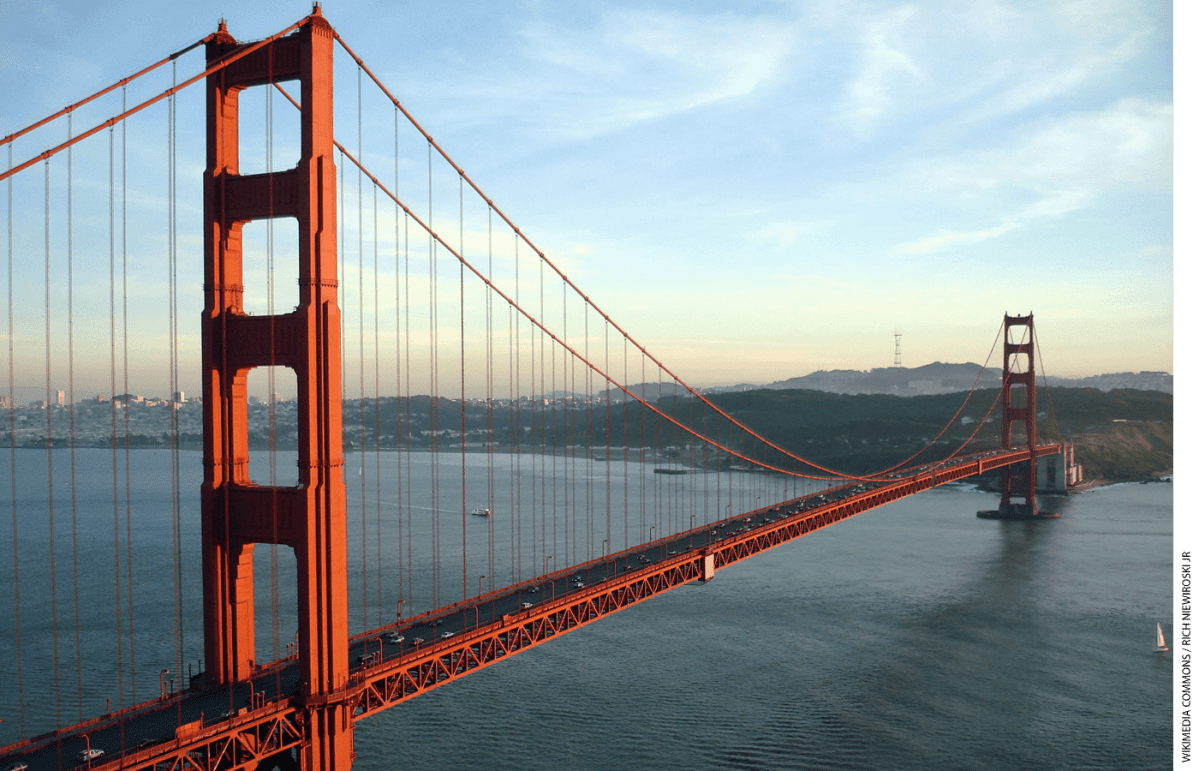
<point x="1161" y="640"/>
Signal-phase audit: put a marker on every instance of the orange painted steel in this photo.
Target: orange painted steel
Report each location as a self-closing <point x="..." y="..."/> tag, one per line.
<point x="1019" y="480"/>
<point x="244" y="742"/>
<point x="392" y="681"/>
<point x="236" y="514"/>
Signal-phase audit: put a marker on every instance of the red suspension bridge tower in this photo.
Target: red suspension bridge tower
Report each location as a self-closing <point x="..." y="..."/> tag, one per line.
<point x="1019" y="480"/>
<point x="310" y="517"/>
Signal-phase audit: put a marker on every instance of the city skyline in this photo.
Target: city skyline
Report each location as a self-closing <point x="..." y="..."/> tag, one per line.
<point x="786" y="184"/>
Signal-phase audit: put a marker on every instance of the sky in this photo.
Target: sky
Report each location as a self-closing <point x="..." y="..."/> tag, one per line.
<point x="756" y="190"/>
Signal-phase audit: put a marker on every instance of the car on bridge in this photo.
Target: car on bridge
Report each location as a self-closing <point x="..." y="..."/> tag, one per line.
<point x="88" y="755"/>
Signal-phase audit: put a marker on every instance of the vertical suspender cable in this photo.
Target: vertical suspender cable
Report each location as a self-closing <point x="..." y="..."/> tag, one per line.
<point x="573" y="538"/>
<point x="342" y="284"/>
<point x="176" y="521"/>
<point x="125" y="386"/>
<point x="625" y="442"/>
<point x="567" y="403"/>
<point x="704" y="464"/>
<point x="462" y="365"/>
<point x="489" y="297"/>
<point x="518" y="481"/>
<point x="553" y="439"/>
<point x="541" y="402"/>
<point x="659" y="445"/>
<point x="533" y="447"/>
<point x="112" y="403"/>
<point x="401" y="488"/>
<point x="513" y="424"/>
<point x="408" y="399"/>
<point x="71" y="417"/>
<point x="691" y="454"/>
<point x="361" y="368"/>
<point x="271" y="425"/>
<point x="12" y="468"/>
<point x="50" y="466"/>
<point x="587" y="435"/>
<point x="642" y="412"/>
<point x="607" y="448"/>
<point x="434" y="426"/>
<point x="378" y="459"/>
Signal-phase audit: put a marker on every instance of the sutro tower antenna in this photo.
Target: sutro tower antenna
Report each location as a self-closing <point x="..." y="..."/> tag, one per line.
<point x="898" y="358"/>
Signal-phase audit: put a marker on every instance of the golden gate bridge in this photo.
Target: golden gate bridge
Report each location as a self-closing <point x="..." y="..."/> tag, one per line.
<point x="549" y="445"/>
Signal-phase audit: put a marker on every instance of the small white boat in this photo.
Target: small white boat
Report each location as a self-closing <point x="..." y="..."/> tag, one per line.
<point x="481" y="512"/>
<point x="1161" y="640"/>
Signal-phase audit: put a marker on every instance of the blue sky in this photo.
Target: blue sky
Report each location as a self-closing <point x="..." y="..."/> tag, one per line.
<point x="760" y="190"/>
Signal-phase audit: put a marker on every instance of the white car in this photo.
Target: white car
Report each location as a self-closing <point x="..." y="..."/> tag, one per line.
<point x="86" y="756"/>
<point x="526" y="605"/>
<point x="445" y="635"/>
<point x="395" y="639"/>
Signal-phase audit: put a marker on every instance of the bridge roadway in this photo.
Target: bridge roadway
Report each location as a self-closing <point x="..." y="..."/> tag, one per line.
<point x="238" y="726"/>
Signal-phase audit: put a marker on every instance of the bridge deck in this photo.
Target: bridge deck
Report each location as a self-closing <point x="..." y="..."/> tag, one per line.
<point x="238" y="727"/>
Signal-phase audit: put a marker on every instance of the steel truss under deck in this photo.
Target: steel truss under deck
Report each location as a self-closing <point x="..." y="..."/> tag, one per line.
<point x="388" y="683"/>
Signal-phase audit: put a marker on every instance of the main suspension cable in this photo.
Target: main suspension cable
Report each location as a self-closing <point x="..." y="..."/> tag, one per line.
<point x="125" y="113"/>
<point x="514" y="303"/>
<point x="982" y="370"/>
<point x="119" y="84"/>
<point x="433" y="144"/>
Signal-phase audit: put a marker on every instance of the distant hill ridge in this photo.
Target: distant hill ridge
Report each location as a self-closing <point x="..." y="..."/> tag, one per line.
<point x="942" y="378"/>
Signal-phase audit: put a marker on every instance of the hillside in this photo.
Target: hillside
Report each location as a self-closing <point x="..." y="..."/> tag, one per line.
<point x="1119" y="435"/>
<point x="941" y="378"/>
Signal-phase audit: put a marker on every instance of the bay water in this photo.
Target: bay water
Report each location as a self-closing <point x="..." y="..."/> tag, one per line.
<point x="915" y="636"/>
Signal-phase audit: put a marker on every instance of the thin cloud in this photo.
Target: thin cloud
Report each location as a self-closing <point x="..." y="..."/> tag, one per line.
<point x="634" y="66"/>
<point x="882" y="63"/>
<point x="1065" y="167"/>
